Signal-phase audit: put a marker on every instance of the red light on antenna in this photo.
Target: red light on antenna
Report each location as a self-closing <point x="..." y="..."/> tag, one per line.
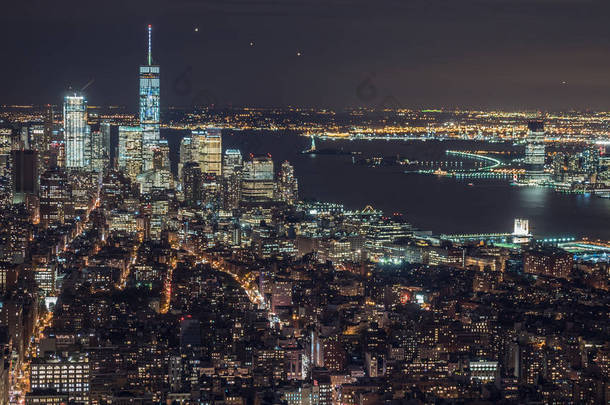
<point x="149" y="25"/>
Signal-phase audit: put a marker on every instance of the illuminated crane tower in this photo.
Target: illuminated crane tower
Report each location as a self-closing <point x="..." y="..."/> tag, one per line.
<point x="149" y="105"/>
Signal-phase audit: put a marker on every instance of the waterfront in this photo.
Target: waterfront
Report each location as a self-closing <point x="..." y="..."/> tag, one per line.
<point x="442" y="205"/>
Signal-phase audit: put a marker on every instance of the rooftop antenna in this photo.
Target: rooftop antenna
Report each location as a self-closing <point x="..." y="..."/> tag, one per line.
<point x="149" y="44"/>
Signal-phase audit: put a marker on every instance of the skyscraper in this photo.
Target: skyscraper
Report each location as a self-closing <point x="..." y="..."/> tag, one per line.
<point x="149" y="104"/>
<point x="49" y="126"/>
<point x="162" y="150"/>
<point x="25" y="176"/>
<point x="257" y="182"/>
<point x="192" y="184"/>
<point x="535" y="151"/>
<point x="232" y="160"/>
<point x="105" y="128"/>
<point x="287" y="185"/>
<point x="76" y="131"/>
<point x="96" y="150"/>
<point x="46" y="154"/>
<point x="186" y="154"/>
<point x="54" y="196"/>
<point x="208" y="149"/>
<point x="6" y="145"/>
<point x="130" y="151"/>
<point x="231" y="189"/>
<point x="232" y="165"/>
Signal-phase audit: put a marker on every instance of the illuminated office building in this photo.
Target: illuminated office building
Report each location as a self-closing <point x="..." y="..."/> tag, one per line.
<point x="483" y="370"/>
<point x="161" y="155"/>
<point x="38" y="143"/>
<point x="96" y="151"/>
<point x="589" y="160"/>
<point x="231" y="161"/>
<point x="153" y="180"/>
<point x="211" y="190"/>
<point x="46" y="397"/>
<point x="257" y="181"/>
<point x="149" y="104"/>
<point x="535" y="151"/>
<point x="69" y="375"/>
<point x="208" y="146"/>
<point x="6" y="141"/>
<point x="105" y="129"/>
<point x="49" y="125"/>
<point x="159" y="176"/>
<point x="54" y="197"/>
<point x="6" y="145"/>
<point x="192" y="184"/>
<point x="287" y="185"/>
<point x="76" y="131"/>
<point x="130" y="151"/>
<point x="47" y="151"/>
<point x="231" y="189"/>
<point x="186" y="154"/>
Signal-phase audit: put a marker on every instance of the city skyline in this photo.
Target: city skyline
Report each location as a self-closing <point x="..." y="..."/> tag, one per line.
<point x="373" y="255"/>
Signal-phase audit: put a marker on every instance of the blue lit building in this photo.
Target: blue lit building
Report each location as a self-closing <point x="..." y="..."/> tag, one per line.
<point x="149" y="105"/>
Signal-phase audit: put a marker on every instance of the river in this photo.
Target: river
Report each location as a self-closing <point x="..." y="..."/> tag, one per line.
<point x="439" y="204"/>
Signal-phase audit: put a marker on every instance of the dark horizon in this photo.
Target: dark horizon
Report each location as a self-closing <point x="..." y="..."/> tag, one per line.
<point x="505" y="54"/>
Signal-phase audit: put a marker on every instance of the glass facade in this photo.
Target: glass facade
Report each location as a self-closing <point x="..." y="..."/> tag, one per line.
<point x="76" y="131"/>
<point x="130" y="151"/>
<point x="208" y="144"/>
<point x="150" y="91"/>
<point x="149" y="102"/>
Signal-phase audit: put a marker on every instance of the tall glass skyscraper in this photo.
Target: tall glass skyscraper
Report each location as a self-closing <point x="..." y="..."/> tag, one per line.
<point x="105" y="128"/>
<point x="130" y="151"/>
<point x="208" y="145"/>
<point x="149" y="105"/>
<point x="232" y="161"/>
<point x="76" y="131"/>
<point x="535" y="151"/>
<point x="258" y="179"/>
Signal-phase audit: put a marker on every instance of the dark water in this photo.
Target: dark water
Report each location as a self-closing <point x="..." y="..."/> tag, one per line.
<point x="442" y="205"/>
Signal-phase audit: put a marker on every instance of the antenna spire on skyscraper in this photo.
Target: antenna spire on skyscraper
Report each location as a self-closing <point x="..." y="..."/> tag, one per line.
<point x="149" y="44"/>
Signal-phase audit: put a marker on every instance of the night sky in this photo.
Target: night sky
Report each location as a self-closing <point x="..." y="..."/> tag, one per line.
<point x="512" y="54"/>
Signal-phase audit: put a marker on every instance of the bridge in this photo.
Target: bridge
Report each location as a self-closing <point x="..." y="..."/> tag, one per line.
<point x="493" y="162"/>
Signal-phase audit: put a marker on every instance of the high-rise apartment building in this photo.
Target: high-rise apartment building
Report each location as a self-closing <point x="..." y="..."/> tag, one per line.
<point x="287" y="185"/>
<point x="548" y="262"/>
